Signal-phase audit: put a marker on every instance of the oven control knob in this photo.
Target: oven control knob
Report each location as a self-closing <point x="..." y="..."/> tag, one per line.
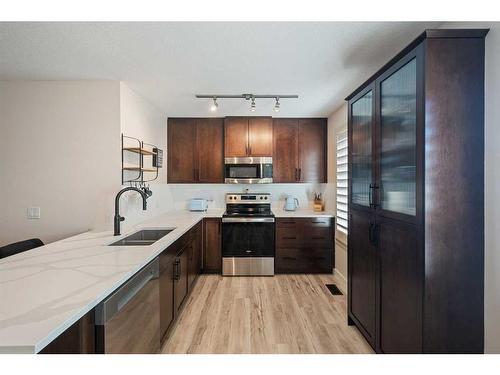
<point x="260" y="197"/>
<point x="230" y="197"/>
<point x="265" y="197"/>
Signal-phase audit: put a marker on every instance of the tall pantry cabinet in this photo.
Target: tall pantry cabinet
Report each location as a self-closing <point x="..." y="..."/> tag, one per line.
<point x="416" y="172"/>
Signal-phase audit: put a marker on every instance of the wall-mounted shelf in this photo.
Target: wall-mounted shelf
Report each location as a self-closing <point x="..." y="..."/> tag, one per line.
<point x="139" y="150"/>
<point x="145" y="152"/>
<point x="137" y="169"/>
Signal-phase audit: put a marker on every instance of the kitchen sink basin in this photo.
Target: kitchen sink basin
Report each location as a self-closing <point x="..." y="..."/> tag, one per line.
<point x="143" y="237"/>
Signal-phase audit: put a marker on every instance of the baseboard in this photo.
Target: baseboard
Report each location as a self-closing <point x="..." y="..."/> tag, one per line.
<point x="342" y="280"/>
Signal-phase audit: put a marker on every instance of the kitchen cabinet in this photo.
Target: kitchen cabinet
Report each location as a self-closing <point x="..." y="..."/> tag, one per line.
<point x="362" y="271"/>
<point x="286" y="150"/>
<point x="180" y="277"/>
<point x="416" y="220"/>
<point x="248" y="136"/>
<point x="312" y="150"/>
<point x="300" y="150"/>
<point x="212" y="254"/>
<point x="166" y="291"/>
<point x="77" y="339"/>
<point x="194" y="247"/>
<point x="304" y="245"/>
<point x="195" y="150"/>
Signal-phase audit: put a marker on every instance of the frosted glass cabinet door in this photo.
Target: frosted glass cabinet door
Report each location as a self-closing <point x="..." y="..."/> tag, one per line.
<point x="362" y="126"/>
<point x="398" y="97"/>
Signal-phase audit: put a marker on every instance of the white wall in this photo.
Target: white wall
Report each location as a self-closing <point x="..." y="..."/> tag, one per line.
<point x="57" y="141"/>
<point x="337" y="123"/>
<point x="140" y="119"/>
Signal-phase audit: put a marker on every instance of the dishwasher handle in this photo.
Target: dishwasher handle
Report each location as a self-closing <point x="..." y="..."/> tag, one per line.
<point x="115" y="302"/>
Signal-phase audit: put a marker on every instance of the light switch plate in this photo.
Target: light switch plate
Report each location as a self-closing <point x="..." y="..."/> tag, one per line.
<point x="33" y="213"/>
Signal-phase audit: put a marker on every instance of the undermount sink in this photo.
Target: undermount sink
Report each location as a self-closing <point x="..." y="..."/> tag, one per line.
<point x="143" y="237"/>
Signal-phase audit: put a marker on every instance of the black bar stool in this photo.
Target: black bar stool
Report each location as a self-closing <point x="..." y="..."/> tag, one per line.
<point x="19" y="247"/>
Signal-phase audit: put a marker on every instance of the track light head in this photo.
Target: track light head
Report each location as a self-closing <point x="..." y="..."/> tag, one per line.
<point x="277" y="105"/>
<point x="214" y="105"/>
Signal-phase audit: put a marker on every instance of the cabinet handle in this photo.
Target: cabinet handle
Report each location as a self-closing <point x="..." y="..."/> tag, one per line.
<point x="177" y="270"/>
<point x="371" y="196"/>
<point x="289" y="238"/>
<point x="249" y="150"/>
<point x="300" y="174"/>
<point x="296" y="174"/>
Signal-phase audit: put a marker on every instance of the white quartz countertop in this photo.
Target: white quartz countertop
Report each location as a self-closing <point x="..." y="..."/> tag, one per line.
<point x="45" y="290"/>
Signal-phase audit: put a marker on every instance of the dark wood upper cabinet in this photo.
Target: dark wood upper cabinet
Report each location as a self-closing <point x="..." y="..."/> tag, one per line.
<point x="248" y="136"/>
<point x="416" y="168"/>
<point x="210" y="155"/>
<point x="195" y="150"/>
<point x="312" y="150"/>
<point x="285" y="150"/>
<point x="300" y="150"/>
<point x="182" y="163"/>
<point x="236" y="137"/>
<point x="260" y="136"/>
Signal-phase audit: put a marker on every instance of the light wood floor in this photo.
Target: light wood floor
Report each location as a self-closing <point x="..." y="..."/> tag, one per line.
<point x="280" y="314"/>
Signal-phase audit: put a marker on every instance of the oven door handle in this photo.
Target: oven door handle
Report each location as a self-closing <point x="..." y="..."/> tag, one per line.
<point x="248" y="219"/>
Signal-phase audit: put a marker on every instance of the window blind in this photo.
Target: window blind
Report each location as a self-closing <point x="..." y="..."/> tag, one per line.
<point x="342" y="197"/>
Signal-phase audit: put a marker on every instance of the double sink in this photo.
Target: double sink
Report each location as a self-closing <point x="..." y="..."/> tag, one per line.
<point x="143" y="237"/>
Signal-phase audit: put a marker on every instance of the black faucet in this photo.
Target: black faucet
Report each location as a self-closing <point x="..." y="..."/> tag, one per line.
<point x="119" y="218"/>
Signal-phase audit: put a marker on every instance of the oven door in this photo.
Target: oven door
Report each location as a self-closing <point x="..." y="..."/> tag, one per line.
<point x="248" y="237"/>
<point x="248" y="246"/>
<point x="248" y="170"/>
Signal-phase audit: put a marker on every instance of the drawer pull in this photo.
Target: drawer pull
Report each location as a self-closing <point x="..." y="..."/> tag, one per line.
<point x="287" y="222"/>
<point x="318" y="238"/>
<point x="289" y="238"/>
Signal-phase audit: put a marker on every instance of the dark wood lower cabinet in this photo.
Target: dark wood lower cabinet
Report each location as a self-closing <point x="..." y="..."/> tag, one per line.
<point x="166" y="291"/>
<point x="304" y="245"/>
<point x="77" y="339"/>
<point x="195" y="250"/>
<point x="401" y="265"/>
<point x="362" y="269"/>
<point x="212" y="254"/>
<point x="180" y="278"/>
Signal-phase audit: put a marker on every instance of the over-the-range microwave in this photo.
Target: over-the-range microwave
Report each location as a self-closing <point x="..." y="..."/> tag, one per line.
<point x="248" y="170"/>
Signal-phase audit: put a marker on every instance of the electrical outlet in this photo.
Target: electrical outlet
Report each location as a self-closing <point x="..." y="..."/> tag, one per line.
<point x="33" y="212"/>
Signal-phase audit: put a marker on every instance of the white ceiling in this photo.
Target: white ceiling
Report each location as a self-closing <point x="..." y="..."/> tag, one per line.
<point x="169" y="62"/>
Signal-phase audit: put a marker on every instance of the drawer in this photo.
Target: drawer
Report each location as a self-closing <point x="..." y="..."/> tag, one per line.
<point x="303" y="261"/>
<point x="316" y="222"/>
<point x="318" y="237"/>
<point x="287" y="237"/>
<point x="287" y="223"/>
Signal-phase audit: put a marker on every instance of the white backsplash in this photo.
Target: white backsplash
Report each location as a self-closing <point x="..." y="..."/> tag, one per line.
<point x="215" y="193"/>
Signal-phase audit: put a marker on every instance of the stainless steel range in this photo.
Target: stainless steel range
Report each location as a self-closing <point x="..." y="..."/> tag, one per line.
<point x="248" y="235"/>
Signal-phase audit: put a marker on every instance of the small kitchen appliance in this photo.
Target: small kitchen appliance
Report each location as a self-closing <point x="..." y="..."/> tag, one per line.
<point x="248" y="235"/>
<point x="248" y="170"/>
<point x="291" y="203"/>
<point x="198" y="204"/>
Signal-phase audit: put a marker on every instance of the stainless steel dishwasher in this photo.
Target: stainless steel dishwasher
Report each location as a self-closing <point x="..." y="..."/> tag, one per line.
<point x="128" y="321"/>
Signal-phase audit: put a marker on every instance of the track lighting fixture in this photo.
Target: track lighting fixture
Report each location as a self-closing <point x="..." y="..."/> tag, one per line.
<point x="214" y="105"/>
<point x="251" y="97"/>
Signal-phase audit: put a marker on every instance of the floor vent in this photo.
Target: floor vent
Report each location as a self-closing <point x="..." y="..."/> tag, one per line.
<point x="334" y="290"/>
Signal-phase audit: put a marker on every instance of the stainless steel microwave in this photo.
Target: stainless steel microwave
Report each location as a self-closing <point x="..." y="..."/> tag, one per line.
<point x="248" y="170"/>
